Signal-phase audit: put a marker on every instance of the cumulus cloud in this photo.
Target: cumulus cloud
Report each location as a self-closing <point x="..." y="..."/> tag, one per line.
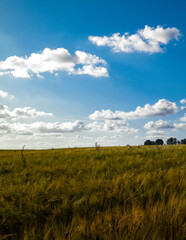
<point x="183" y="101"/>
<point x="54" y="60"/>
<point x="160" y="124"/>
<point x="95" y="126"/>
<point x="92" y="71"/>
<point x="111" y="125"/>
<point x="5" y="95"/>
<point x="162" y="108"/>
<point x="157" y="125"/>
<point x="183" y="119"/>
<point x="41" y="128"/>
<point x="18" y="113"/>
<point x="118" y="126"/>
<point x="148" y="40"/>
<point x="4" y="128"/>
<point x="106" y="115"/>
<point x="59" y="127"/>
<point x="180" y="125"/>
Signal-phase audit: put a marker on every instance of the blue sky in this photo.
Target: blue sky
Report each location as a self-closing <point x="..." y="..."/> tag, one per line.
<point x="54" y="99"/>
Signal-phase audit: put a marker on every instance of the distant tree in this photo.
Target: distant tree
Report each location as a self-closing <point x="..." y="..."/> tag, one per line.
<point x="159" y="142"/>
<point x="172" y="141"/>
<point x="183" y="141"/>
<point x="148" y="142"/>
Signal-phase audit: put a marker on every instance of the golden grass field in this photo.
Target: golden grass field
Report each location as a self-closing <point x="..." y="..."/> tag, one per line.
<point x="84" y="193"/>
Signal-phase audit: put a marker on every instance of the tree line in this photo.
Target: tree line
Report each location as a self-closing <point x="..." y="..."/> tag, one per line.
<point x="170" y="141"/>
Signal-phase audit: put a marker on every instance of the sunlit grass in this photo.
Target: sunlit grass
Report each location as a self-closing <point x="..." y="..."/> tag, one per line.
<point x="113" y="193"/>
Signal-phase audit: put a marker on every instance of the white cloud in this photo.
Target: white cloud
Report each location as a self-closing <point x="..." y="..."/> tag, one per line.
<point x="111" y="125"/>
<point x="130" y="130"/>
<point x="155" y="132"/>
<point x="160" y="124"/>
<point x="159" y="34"/>
<point x="183" y="119"/>
<point x="183" y="101"/>
<point x="95" y="126"/>
<point x="162" y="108"/>
<point x="118" y="126"/>
<point x="180" y="125"/>
<point x="157" y="125"/>
<point x="92" y="71"/>
<point x="40" y="128"/>
<point x="18" y="113"/>
<point x="4" y="128"/>
<point x="3" y="73"/>
<point x="106" y="115"/>
<point x="138" y="137"/>
<point x="147" y="40"/>
<point x="115" y="137"/>
<point x="87" y="59"/>
<point x="53" y="61"/>
<point x="59" y="127"/>
<point x="5" y="95"/>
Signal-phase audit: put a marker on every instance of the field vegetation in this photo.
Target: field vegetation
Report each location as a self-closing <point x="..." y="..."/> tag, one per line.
<point x="93" y="193"/>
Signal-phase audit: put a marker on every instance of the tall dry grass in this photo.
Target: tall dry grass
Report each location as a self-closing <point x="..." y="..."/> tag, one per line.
<point x="114" y="193"/>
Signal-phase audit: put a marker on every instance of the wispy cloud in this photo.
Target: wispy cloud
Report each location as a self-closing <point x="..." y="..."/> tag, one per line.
<point x="148" y="40"/>
<point x="54" y="60"/>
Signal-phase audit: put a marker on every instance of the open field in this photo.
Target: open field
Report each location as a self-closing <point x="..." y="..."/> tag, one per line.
<point x="111" y="193"/>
